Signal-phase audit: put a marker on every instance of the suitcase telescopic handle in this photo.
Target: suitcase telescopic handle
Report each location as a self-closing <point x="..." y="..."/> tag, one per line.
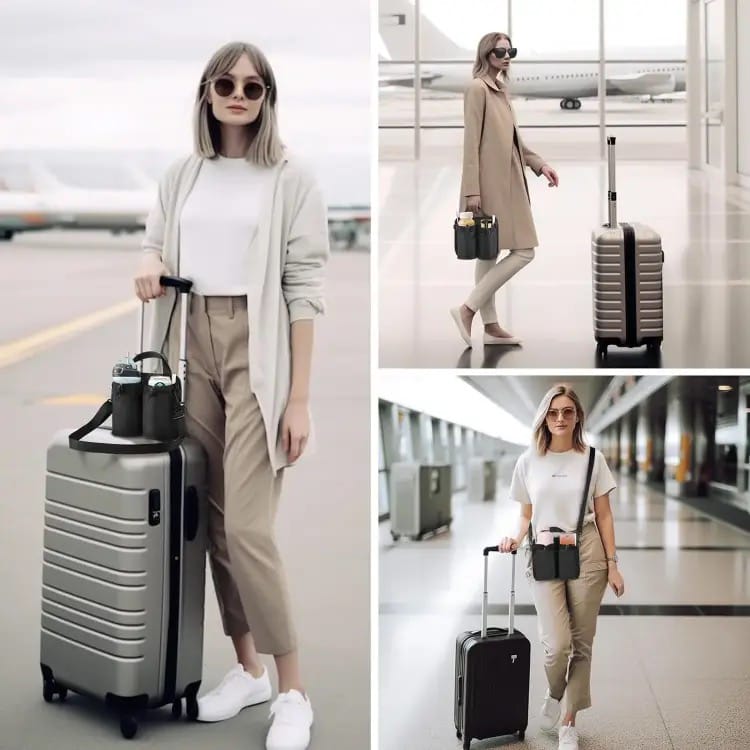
<point x="182" y="286"/>
<point x="612" y="190"/>
<point x="512" y="606"/>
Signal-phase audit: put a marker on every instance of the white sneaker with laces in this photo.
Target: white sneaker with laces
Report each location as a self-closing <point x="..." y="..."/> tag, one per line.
<point x="568" y="738"/>
<point x="292" y="718"/>
<point x="238" y="690"/>
<point x="550" y="713"/>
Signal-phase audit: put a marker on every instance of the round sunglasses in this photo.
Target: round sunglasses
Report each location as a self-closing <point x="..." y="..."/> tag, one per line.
<point x="253" y="90"/>
<point x="500" y="52"/>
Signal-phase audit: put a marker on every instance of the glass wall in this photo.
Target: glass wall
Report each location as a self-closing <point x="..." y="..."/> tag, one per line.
<point x="715" y="62"/>
<point x="554" y="78"/>
<point x="743" y="87"/>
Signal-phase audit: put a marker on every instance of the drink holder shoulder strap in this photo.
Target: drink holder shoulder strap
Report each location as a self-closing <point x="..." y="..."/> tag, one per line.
<point x="76" y="442"/>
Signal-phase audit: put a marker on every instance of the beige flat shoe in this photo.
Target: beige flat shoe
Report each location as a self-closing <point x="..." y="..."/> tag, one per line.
<point x="465" y="335"/>
<point x="490" y="340"/>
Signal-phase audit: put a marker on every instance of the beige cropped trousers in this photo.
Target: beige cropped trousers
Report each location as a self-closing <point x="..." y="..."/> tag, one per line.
<point x="566" y="616"/>
<point x="490" y="275"/>
<point x="243" y="494"/>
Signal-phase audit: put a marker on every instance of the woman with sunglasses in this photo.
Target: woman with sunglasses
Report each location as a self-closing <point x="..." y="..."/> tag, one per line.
<point x="248" y="225"/>
<point x="548" y="482"/>
<point x="493" y="183"/>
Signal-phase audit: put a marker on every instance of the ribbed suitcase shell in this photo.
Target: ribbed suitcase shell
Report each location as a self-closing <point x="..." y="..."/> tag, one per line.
<point x="611" y="300"/>
<point x="123" y="586"/>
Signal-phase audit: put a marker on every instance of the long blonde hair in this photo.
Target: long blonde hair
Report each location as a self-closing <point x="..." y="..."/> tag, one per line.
<point x="486" y="44"/>
<point x="542" y="435"/>
<point x="266" y="148"/>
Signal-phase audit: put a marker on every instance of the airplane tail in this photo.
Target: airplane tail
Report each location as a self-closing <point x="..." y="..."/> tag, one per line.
<point x="397" y="34"/>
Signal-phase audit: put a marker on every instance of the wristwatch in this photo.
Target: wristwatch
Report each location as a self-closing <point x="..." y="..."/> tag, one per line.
<point x="613" y="559"/>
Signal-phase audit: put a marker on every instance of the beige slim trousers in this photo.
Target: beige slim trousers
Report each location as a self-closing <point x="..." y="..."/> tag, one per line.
<point x="566" y="617"/>
<point x="490" y="275"/>
<point x="224" y="417"/>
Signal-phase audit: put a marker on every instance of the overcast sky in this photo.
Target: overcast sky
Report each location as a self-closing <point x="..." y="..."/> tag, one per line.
<point x="104" y="74"/>
<point x="542" y="27"/>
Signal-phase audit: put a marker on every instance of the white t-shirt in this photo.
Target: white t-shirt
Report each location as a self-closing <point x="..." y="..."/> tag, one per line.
<point x="217" y="224"/>
<point x="554" y="484"/>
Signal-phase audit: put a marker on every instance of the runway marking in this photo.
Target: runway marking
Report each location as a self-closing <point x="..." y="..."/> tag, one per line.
<point x="75" y="399"/>
<point x="16" y="351"/>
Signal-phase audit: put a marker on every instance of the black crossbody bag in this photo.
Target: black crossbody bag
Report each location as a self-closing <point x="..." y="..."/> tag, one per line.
<point x="561" y="562"/>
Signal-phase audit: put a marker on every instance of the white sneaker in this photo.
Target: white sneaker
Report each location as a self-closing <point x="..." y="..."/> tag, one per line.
<point x="292" y="718"/>
<point x="550" y="713"/>
<point x="238" y="690"/>
<point x="568" y="738"/>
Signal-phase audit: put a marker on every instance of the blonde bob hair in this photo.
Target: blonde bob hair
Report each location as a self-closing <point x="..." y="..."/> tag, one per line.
<point x="486" y="44"/>
<point x="542" y="435"/>
<point x="266" y="148"/>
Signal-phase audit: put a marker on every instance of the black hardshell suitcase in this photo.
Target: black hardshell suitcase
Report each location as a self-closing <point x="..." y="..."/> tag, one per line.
<point x="124" y="565"/>
<point x="492" y="676"/>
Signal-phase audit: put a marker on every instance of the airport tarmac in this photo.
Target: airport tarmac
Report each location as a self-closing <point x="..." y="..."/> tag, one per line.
<point x="57" y="349"/>
<point x="670" y="669"/>
<point x="704" y="225"/>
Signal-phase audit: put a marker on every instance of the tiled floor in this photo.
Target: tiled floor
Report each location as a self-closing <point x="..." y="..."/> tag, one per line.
<point x="705" y="229"/>
<point x="658" y="681"/>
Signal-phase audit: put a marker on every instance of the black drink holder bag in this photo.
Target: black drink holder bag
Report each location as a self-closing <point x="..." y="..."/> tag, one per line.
<point x="561" y="562"/>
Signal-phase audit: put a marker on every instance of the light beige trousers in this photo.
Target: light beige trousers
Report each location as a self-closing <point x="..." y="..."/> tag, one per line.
<point x="566" y="618"/>
<point x="490" y="275"/>
<point x="223" y="415"/>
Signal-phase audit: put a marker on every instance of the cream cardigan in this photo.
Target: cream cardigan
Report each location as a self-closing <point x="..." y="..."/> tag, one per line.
<point x="288" y="252"/>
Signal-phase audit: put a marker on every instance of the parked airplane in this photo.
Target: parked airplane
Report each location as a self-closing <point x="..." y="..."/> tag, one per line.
<point x="33" y="197"/>
<point x="570" y="82"/>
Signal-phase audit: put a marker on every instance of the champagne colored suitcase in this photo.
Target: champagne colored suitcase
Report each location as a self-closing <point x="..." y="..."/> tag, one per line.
<point x="492" y="676"/>
<point x="123" y="573"/>
<point x="627" y="262"/>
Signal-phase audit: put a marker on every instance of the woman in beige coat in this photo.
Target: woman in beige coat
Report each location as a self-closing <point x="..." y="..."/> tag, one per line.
<point x="494" y="182"/>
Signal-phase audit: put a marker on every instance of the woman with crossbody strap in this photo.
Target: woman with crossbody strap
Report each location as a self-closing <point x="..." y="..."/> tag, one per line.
<point x="493" y="183"/>
<point x="563" y="487"/>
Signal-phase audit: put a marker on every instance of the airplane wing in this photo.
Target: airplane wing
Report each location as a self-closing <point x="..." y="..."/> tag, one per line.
<point x="642" y="83"/>
<point x="405" y="79"/>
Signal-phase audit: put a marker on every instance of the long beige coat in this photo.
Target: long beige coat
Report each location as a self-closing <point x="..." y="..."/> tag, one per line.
<point x="493" y="167"/>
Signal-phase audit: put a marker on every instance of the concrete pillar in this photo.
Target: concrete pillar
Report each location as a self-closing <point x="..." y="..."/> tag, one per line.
<point x="679" y="442"/>
<point x="629" y="422"/>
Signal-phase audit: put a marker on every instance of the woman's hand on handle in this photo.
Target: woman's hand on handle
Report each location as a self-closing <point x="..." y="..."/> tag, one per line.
<point x="508" y="544"/>
<point x="147" y="286"/>
<point x="473" y="204"/>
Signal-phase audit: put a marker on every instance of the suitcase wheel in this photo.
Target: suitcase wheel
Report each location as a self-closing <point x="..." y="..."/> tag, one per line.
<point x="522" y="734"/>
<point x="50" y="688"/>
<point x="653" y="346"/>
<point x="395" y="537"/>
<point x="177" y="709"/>
<point x="601" y="350"/>
<point x="467" y="743"/>
<point x="128" y="726"/>
<point x="458" y="734"/>
<point x="191" y="707"/>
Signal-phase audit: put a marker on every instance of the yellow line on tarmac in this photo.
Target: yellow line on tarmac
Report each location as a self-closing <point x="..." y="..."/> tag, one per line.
<point x="26" y="347"/>
<point x="75" y="399"/>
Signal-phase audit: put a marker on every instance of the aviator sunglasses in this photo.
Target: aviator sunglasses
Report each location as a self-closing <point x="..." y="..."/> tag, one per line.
<point x="499" y="52"/>
<point x="224" y="86"/>
<point x="567" y="413"/>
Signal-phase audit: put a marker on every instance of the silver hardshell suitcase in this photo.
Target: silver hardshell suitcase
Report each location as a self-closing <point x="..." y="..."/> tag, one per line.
<point x="627" y="261"/>
<point x="124" y="567"/>
<point x="420" y="499"/>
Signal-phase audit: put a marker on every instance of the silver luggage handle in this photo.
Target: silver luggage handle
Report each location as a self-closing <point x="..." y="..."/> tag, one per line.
<point x="611" y="192"/>
<point x="183" y="286"/>
<point x="511" y="608"/>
